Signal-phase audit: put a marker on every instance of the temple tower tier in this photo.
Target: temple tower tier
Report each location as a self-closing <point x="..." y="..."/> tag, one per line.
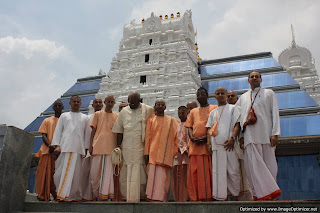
<point x="158" y="59"/>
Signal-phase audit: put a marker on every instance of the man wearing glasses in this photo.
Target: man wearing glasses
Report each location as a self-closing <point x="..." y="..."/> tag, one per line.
<point x="130" y="128"/>
<point x="260" y="124"/>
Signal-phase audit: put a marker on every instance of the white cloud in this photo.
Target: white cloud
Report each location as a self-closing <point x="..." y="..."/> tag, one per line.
<point x="26" y="84"/>
<point x="258" y="26"/>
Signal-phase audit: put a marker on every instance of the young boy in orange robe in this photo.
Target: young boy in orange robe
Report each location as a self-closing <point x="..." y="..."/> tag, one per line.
<point x="160" y="148"/>
<point x="181" y="160"/>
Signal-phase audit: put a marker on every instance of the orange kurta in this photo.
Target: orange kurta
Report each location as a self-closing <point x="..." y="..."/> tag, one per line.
<point x="45" y="170"/>
<point x="199" y="181"/>
<point x="161" y="142"/>
<point x="104" y="140"/>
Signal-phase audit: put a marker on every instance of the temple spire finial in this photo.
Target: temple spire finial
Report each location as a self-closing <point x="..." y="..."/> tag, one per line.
<point x="293" y="43"/>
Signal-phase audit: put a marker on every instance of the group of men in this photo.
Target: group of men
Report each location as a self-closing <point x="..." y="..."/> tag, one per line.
<point x="215" y="151"/>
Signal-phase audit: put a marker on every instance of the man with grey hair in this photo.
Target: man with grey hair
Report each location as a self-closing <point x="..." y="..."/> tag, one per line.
<point x="130" y="128"/>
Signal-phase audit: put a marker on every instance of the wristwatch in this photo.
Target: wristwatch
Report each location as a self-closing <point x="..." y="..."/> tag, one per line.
<point x="233" y="138"/>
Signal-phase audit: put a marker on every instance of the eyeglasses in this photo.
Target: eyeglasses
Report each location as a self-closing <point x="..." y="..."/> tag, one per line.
<point x="110" y="102"/>
<point x="160" y="105"/>
<point x="231" y="96"/>
<point x="255" y="76"/>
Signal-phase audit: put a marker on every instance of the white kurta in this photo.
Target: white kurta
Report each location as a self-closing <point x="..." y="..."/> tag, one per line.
<point x="70" y="132"/>
<point x="259" y="157"/>
<point x="225" y="164"/>
<point x="131" y="123"/>
<point x="267" y="111"/>
<point x="70" y="136"/>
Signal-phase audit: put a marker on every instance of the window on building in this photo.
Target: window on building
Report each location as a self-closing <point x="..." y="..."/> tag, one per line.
<point x="146" y="58"/>
<point x="143" y="79"/>
<point x="150" y="41"/>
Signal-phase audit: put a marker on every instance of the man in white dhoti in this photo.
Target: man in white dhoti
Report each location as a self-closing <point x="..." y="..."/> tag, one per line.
<point x="225" y="165"/>
<point x="85" y="182"/>
<point x="130" y="126"/>
<point x="245" y="188"/>
<point x="69" y="139"/>
<point x="260" y="123"/>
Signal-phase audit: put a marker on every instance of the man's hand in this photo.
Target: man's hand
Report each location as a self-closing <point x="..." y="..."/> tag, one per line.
<point x="241" y="141"/>
<point x="146" y="159"/>
<point x="56" y="152"/>
<point x="51" y="149"/>
<point x="274" y="140"/>
<point x="229" y="144"/>
<point x="90" y="149"/>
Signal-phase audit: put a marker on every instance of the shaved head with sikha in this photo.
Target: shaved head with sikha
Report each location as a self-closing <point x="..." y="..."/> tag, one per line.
<point x="232" y="97"/>
<point x="191" y="105"/>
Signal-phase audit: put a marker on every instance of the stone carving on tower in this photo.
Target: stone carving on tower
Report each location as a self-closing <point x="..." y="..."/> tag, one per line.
<point x="300" y="65"/>
<point x="158" y="59"/>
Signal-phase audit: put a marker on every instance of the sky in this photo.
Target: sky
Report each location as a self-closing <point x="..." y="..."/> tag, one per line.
<point x="45" y="46"/>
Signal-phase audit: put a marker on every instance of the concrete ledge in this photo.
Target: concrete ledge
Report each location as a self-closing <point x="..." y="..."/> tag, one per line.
<point x="170" y="207"/>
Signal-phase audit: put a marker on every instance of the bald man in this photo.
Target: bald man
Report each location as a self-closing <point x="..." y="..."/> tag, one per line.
<point x="102" y="142"/>
<point x="69" y="138"/>
<point x="85" y="185"/>
<point x="161" y="145"/>
<point x="130" y="128"/>
<point x="191" y="105"/>
<point x="232" y="97"/>
<point x="45" y="171"/>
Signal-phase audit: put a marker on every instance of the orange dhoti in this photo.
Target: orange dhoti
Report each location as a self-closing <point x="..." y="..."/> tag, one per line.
<point x="200" y="177"/>
<point x="158" y="183"/>
<point x="44" y="176"/>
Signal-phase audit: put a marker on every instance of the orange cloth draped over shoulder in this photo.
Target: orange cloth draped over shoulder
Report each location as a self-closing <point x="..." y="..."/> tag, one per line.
<point x="161" y="141"/>
<point x="47" y="127"/>
<point x="46" y="166"/>
<point x="197" y="120"/>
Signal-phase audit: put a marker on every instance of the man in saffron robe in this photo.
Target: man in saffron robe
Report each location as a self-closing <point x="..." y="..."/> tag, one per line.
<point x="102" y="142"/>
<point x="130" y="126"/>
<point x="260" y="138"/>
<point x="45" y="184"/>
<point x="225" y="164"/>
<point x="161" y="145"/>
<point x="200" y="167"/>
<point x="69" y="139"/>
<point x="181" y="160"/>
<point x="85" y="185"/>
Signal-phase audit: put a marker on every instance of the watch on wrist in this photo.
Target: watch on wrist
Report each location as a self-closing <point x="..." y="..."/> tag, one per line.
<point x="233" y="138"/>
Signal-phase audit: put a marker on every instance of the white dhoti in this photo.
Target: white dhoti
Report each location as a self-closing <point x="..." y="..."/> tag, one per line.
<point x="225" y="174"/>
<point x="245" y="188"/>
<point x="133" y="181"/>
<point x="261" y="168"/>
<point x="67" y="175"/>
<point x="101" y="175"/>
<point x="85" y="182"/>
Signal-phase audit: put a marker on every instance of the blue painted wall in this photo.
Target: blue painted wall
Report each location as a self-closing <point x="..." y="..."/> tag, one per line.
<point x="299" y="177"/>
